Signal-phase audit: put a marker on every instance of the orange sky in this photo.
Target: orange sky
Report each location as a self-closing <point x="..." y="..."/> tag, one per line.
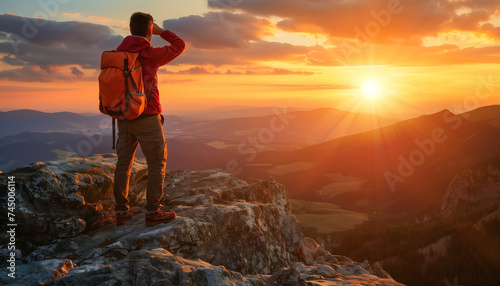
<point x="422" y="56"/>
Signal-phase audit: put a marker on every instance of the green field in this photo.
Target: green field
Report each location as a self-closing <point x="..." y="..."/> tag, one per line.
<point x="340" y="184"/>
<point x="325" y="217"/>
<point x="220" y="144"/>
<point x="290" y="168"/>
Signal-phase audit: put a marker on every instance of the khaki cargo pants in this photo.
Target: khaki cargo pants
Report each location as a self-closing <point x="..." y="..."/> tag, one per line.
<point x="148" y="132"/>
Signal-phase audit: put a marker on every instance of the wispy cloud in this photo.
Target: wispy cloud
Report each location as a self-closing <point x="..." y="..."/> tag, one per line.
<point x="269" y="71"/>
<point x="77" y="73"/>
<point x="72" y="15"/>
<point x="101" y="19"/>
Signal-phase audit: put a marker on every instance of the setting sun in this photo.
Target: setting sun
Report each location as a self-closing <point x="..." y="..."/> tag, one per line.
<point x="370" y="89"/>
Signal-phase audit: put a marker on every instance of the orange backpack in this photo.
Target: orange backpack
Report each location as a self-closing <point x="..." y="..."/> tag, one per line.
<point x="121" y="90"/>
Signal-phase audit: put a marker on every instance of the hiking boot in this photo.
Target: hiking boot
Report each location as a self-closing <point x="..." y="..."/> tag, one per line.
<point x="123" y="217"/>
<point x="160" y="217"/>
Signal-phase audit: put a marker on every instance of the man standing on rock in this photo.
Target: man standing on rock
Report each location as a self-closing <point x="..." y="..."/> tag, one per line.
<point x="147" y="130"/>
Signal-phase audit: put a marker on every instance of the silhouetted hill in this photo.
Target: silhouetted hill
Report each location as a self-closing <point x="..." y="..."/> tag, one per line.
<point x="306" y="127"/>
<point x="233" y="111"/>
<point x="69" y="134"/>
<point x="403" y="166"/>
<point x="489" y="114"/>
<point x="23" y="153"/>
<point x="30" y="147"/>
<point x="19" y="121"/>
<point x="298" y="128"/>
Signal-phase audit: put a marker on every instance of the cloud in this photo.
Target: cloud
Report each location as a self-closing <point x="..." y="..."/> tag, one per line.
<point x="33" y="42"/>
<point x="257" y="51"/>
<point x="491" y="30"/>
<point x="236" y="37"/>
<point x="215" y="38"/>
<point x="470" y="21"/>
<point x="25" y="89"/>
<point x="279" y="71"/>
<point x="223" y="38"/>
<point x="72" y="15"/>
<point x="303" y="87"/>
<point x="343" y="18"/>
<point x="226" y="38"/>
<point x="101" y="19"/>
<point x="32" y="74"/>
<point x="219" y="30"/>
<point x="46" y="32"/>
<point x="194" y="71"/>
<point x="77" y="73"/>
<point x="201" y="71"/>
<point x="405" y="55"/>
<point x="446" y="55"/>
<point x="275" y="71"/>
<point x="388" y="21"/>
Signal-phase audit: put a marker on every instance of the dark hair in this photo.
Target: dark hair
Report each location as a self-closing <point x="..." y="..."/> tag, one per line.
<point x="140" y="23"/>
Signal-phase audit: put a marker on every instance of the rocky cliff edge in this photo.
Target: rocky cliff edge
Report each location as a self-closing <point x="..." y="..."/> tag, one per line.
<point x="228" y="232"/>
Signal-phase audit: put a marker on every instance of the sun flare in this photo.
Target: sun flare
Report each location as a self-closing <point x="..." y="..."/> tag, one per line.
<point x="370" y="89"/>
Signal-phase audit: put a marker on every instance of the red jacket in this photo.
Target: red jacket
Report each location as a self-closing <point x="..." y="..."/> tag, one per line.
<point x="152" y="59"/>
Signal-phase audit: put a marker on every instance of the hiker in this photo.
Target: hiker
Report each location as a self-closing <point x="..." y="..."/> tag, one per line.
<point x="147" y="129"/>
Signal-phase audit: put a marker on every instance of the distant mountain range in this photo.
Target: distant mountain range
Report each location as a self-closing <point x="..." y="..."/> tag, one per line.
<point x="304" y="127"/>
<point x="30" y="147"/>
<point x="489" y="114"/>
<point x="233" y="111"/>
<point x="19" y="121"/>
<point x="359" y="161"/>
<point x="212" y="143"/>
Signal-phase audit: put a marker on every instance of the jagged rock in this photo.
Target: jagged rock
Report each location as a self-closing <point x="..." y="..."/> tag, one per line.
<point x="379" y="271"/>
<point x="155" y="267"/>
<point x="228" y="232"/>
<point x="63" y="198"/>
<point x="39" y="272"/>
<point x="331" y="274"/>
<point x="472" y="189"/>
<point x="324" y="270"/>
<point x="287" y="277"/>
<point x="312" y="251"/>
